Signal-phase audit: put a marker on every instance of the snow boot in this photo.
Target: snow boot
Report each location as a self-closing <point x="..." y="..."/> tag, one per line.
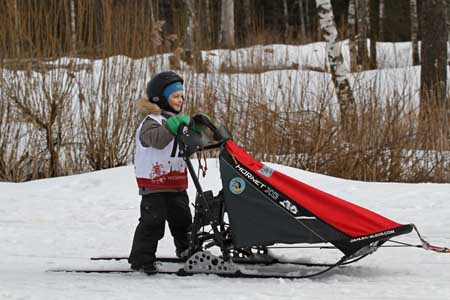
<point x="135" y="267"/>
<point x="182" y="254"/>
<point x="149" y="268"/>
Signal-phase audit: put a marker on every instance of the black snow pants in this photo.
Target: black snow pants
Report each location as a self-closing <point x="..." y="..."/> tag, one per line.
<point x="155" y="209"/>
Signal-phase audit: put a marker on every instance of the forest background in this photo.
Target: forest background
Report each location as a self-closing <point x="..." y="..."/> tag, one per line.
<point x="70" y="72"/>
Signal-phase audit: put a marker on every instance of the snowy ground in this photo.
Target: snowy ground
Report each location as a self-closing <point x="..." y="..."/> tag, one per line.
<point x="61" y="222"/>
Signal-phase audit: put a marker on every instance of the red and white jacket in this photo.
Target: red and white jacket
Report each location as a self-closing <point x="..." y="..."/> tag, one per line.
<point x="158" y="169"/>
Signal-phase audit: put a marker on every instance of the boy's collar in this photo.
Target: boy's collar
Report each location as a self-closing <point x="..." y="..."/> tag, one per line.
<point x="167" y="114"/>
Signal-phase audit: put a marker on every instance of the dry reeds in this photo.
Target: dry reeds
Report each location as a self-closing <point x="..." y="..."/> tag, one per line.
<point x="72" y="115"/>
<point x="67" y="120"/>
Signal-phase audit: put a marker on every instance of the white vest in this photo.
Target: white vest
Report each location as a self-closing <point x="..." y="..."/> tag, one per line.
<point x="155" y="168"/>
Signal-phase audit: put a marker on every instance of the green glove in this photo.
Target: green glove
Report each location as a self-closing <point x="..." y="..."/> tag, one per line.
<point x="198" y="126"/>
<point x="174" y="122"/>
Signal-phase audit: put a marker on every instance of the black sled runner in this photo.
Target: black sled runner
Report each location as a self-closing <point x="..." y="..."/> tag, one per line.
<point x="259" y="207"/>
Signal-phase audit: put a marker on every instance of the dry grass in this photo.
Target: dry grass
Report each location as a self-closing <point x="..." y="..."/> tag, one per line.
<point x="74" y="115"/>
<point x="65" y="120"/>
<point x="386" y="144"/>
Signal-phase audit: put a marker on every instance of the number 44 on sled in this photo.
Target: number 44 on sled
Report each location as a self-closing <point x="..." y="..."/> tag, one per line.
<point x="259" y="207"/>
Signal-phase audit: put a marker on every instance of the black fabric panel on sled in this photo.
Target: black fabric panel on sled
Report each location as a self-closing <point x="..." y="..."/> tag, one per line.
<point x="255" y="219"/>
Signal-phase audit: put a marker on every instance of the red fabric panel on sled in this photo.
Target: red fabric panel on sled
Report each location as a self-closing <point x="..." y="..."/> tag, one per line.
<point x="344" y="216"/>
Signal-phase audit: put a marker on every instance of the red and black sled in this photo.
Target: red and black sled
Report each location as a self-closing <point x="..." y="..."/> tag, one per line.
<point x="258" y="207"/>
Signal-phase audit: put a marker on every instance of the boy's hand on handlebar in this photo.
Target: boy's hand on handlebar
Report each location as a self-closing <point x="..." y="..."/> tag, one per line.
<point x="199" y="125"/>
<point x="174" y="122"/>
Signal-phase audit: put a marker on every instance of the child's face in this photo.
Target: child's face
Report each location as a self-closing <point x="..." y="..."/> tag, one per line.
<point x="176" y="101"/>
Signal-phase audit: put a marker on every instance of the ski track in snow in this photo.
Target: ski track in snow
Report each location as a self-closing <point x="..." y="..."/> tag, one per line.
<point x="61" y="222"/>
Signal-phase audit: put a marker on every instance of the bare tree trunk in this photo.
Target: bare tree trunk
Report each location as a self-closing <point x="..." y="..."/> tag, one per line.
<point x="227" y="24"/>
<point x="367" y="15"/>
<point x="17" y="25"/>
<point x="156" y="11"/>
<point x="13" y="11"/>
<point x="351" y="35"/>
<point x="189" y="39"/>
<point x="308" y="20"/>
<point x="434" y="106"/>
<point x="286" y="20"/>
<point x="362" y="26"/>
<point x="208" y="22"/>
<point x="191" y="49"/>
<point x="373" y="36"/>
<point x="152" y="12"/>
<point x="339" y="73"/>
<point x="73" y="28"/>
<point x="448" y="22"/>
<point x="381" y="20"/>
<point x="248" y="16"/>
<point x="302" y="13"/>
<point x="107" y="25"/>
<point x="414" y="31"/>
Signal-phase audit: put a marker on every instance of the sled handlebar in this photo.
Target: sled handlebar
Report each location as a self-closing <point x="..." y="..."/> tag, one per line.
<point x="220" y="132"/>
<point x="192" y="141"/>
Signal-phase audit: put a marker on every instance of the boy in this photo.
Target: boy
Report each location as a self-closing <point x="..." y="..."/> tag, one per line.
<point x="161" y="175"/>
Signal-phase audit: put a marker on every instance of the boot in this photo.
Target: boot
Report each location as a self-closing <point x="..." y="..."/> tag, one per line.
<point x="150" y="268"/>
<point x="182" y="253"/>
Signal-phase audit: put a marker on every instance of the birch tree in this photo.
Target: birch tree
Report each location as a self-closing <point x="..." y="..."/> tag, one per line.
<point x="226" y="36"/>
<point x="338" y="72"/>
<point x="414" y="31"/>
